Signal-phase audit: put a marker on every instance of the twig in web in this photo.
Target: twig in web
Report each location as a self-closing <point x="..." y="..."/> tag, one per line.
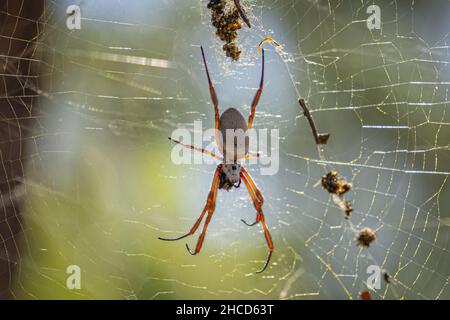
<point x="241" y="11"/>
<point x="321" y="138"/>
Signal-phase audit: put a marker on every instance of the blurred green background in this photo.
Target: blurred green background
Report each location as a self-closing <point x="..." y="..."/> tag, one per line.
<point x="101" y="186"/>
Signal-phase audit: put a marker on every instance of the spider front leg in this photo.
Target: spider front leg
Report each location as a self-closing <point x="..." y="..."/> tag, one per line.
<point x="213" y="98"/>
<point x="210" y="203"/>
<point x="261" y="218"/>
<point x="257" y="95"/>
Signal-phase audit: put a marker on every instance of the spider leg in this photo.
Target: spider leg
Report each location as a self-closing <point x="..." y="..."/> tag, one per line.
<point x="211" y="209"/>
<point x="254" y="187"/>
<point x="209" y="153"/>
<point x="263" y="223"/>
<point x="257" y="95"/>
<point x="256" y="202"/>
<point x="252" y="155"/>
<point x="208" y="204"/>
<point x="213" y="97"/>
<point x="269" y="243"/>
<point x="250" y="224"/>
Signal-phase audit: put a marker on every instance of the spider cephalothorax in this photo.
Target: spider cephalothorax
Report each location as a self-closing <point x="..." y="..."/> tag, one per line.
<point x="230" y="176"/>
<point x="230" y="172"/>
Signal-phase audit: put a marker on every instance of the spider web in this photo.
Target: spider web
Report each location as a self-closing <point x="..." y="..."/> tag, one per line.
<point x="87" y="178"/>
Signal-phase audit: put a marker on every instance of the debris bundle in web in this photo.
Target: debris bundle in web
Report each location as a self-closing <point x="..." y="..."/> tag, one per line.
<point x="337" y="187"/>
<point x="225" y="17"/>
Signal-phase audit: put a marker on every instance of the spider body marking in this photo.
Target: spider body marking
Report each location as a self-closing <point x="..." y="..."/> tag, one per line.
<point x="230" y="172"/>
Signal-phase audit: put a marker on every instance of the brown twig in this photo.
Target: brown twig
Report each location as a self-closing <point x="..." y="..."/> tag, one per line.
<point x="242" y="12"/>
<point x="321" y="138"/>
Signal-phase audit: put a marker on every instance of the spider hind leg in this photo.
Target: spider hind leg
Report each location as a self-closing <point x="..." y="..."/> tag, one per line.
<point x="209" y="206"/>
<point x="250" y="224"/>
<point x="256" y="196"/>
<point x="193" y="253"/>
<point x="265" y="264"/>
<point x="258" y="201"/>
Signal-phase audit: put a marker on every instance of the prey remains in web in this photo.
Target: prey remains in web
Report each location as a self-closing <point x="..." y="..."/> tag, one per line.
<point x="337" y="187"/>
<point x="226" y="16"/>
<point x="230" y="172"/>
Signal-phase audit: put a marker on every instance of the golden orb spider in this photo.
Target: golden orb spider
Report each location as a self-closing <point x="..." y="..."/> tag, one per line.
<point x="230" y="172"/>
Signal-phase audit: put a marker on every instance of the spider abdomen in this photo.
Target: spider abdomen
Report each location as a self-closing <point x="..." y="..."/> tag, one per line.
<point x="234" y="139"/>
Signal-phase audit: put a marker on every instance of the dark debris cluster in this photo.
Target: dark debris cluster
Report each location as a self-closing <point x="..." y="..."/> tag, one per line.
<point x="335" y="185"/>
<point x="225" y="18"/>
<point x="365" y="237"/>
<point x="338" y="186"/>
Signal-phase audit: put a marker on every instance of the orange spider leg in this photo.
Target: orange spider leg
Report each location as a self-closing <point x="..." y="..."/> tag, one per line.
<point x="209" y="153"/>
<point x="211" y="209"/>
<point x="257" y="95"/>
<point x="255" y="202"/>
<point x="263" y="222"/>
<point x="254" y="187"/>
<point x="269" y="243"/>
<point x="209" y="203"/>
<point x="213" y="97"/>
<point x="253" y="155"/>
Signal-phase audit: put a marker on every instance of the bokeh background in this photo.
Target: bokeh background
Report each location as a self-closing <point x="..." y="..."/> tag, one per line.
<point x="87" y="177"/>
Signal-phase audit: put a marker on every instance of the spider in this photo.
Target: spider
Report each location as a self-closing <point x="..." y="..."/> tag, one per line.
<point x="230" y="172"/>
